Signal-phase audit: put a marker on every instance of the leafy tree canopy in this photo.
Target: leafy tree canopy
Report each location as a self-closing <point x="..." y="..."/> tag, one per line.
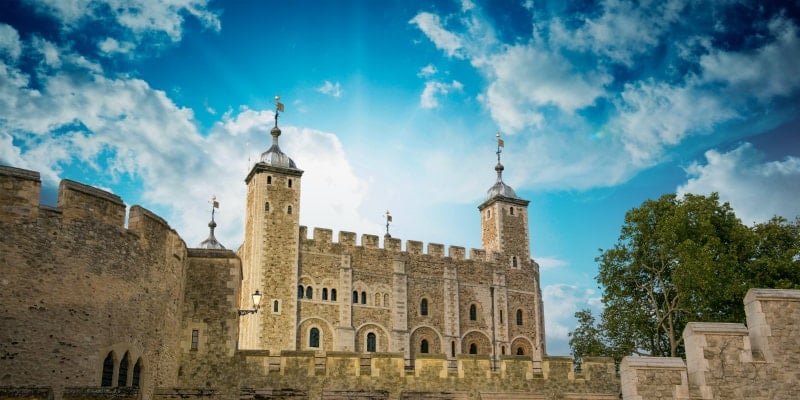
<point x="679" y="260"/>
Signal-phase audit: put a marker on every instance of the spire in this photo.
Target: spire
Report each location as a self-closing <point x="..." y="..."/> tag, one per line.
<point x="274" y="156"/>
<point x="500" y="189"/>
<point x="499" y="167"/>
<point x="211" y="242"/>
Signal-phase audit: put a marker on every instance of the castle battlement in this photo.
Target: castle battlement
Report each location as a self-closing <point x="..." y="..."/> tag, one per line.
<point x="322" y="238"/>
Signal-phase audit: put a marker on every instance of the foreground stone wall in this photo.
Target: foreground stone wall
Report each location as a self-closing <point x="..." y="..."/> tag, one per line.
<point x="76" y="286"/>
<point x="728" y="361"/>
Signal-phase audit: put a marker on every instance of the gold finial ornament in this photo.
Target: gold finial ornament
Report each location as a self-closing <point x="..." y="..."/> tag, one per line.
<point x="388" y="220"/>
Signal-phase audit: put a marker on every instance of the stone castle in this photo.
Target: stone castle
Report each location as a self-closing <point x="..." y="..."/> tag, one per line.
<point x="92" y="309"/>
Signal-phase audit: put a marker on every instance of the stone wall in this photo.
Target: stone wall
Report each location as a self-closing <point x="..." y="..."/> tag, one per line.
<point x="76" y="286"/>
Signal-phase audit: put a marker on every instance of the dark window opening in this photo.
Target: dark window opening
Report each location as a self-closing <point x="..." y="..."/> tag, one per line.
<point x="313" y="338"/>
<point x="519" y="317"/>
<point x="309" y="293"/>
<point x="514" y="262"/>
<point x="355" y="297"/>
<point x="473" y="313"/>
<point x="195" y="339"/>
<point x="363" y="297"/>
<point x="423" y="347"/>
<point x="333" y="294"/>
<point x="108" y="370"/>
<point x="266" y="207"/>
<point x="137" y="373"/>
<point x="289" y="210"/>
<point x="324" y="293"/>
<point x="371" y="340"/>
<point x="290" y="183"/>
<point x="300" y="291"/>
<point x="123" y="371"/>
<point x="423" y="307"/>
<point x="473" y="349"/>
<point x="453" y="348"/>
<point x="520" y="351"/>
<point x="502" y="350"/>
<point x="501" y="316"/>
<point x="275" y="306"/>
<point x="512" y="210"/>
<point x="269" y="180"/>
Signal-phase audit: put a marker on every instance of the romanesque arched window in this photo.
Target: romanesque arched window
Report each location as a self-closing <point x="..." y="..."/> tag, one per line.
<point x="313" y="337"/>
<point x="324" y="293"/>
<point x="122" y="379"/>
<point x="371" y="342"/>
<point x="423" y="347"/>
<point x="473" y="348"/>
<point x="473" y="312"/>
<point x="520" y="351"/>
<point x="512" y="210"/>
<point x="453" y="348"/>
<point x="363" y="297"/>
<point x="514" y="262"/>
<point x="137" y="373"/>
<point x="378" y="298"/>
<point x="502" y="350"/>
<point x="355" y="297"/>
<point x="275" y="306"/>
<point x="423" y="307"/>
<point x="309" y="292"/>
<point x="386" y="300"/>
<point x="300" y="291"/>
<point x="333" y="294"/>
<point x="519" y="317"/>
<point x="107" y="378"/>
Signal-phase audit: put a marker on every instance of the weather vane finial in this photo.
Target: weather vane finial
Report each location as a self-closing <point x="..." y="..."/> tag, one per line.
<point x="278" y="108"/>
<point x="500" y="144"/>
<point x="214" y="206"/>
<point x="388" y="220"/>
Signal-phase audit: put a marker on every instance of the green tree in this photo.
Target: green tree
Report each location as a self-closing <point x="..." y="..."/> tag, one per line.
<point x="586" y="339"/>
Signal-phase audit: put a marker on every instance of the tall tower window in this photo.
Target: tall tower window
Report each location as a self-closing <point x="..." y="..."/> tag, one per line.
<point x="275" y="306"/>
<point x="355" y="297"/>
<point x="108" y="370"/>
<point x="519" y="317"/>
<point x="514" y="262"/>
<point x="371" y="342"/>
<point x="423" y="347"/>
<point x="289" y="210"/>
<point x="453" y="348"/>
<point x="290" y="182"/>
<point x="313" y="338"/>
<point x="269" y="180"/>
<point x="473" y="349"/>
<point x="378" y="298"/>
<point x="512" y="210"/>
<point x="309" y="292"/>
<point x="137" y="373"/>
<point x="266" y="206"/>
<point x="324" y="293"/>
<point x="386" y="300"/>
<point x="363" y="297"/>
<point x="123" y="371"/>
<point x="501" y="316"/>
<point x="195" y="339"/>
<point x="473" y="312"/>
<point x="423" y="307"/>
<point x="333" y="294"/>
<point x="300" y="291"/>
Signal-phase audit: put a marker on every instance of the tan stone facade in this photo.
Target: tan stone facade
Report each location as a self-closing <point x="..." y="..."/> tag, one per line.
<point x="92" y="309"/>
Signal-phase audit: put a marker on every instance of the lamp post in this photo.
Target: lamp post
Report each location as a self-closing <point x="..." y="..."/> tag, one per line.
<point x="256" y="302"/>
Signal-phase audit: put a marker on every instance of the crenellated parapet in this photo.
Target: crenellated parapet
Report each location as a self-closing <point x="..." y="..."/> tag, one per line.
<point x="728" y="360"/>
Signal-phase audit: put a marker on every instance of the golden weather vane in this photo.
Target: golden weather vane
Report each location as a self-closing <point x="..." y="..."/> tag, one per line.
<point x="278" y="108"/>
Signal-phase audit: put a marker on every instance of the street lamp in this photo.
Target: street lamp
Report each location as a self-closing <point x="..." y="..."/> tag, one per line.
<point x="256" y="302"/>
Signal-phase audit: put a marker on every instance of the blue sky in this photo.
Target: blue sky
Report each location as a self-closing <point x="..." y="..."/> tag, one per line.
<point x="394" y="105"/>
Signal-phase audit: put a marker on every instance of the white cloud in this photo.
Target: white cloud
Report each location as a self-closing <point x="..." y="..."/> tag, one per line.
<point x="429" y="97"/>
<point x="432" y="27"/>
<point x="561" y="301"/>
<point x="765" y="72"/>
<point x="427" y="71"/>
<point x="756" y="189"/>
<point x="548" y="263"/>
<point x="331" y="89"/>
<point x="9" y="42"/>
<point x="110" y="46"/>
<point x="655" y="115"/>
<point x="140" y="17"/>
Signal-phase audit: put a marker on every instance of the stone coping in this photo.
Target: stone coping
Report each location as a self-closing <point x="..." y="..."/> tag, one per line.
<point x="653" y="362"/>
<point x="771" y="294"/>
<point x="20" y="173"/>
<point x="91" y="191"/>
<point x="729" y="328"/>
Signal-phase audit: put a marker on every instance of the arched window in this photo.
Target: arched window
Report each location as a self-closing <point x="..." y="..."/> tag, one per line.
<point x="122" y="379"/>
<point x="137" y="373"/>
<point x="269" y="180"/>
<point x="453" y="348"/>
<point x="324" y="293"/>
<point x="502" y="350"/>
<point x="371" y="342"/>
<point x="423" y="347"/>
<point x="275" y="306"/>
<point x="519" y="317"/>
<point x="489" y="213"/>
<point x="378" y="298"/>
<point x="473" y="312"/>
<point x="333" y="294"/>
<point x="300" y="291"/>
<point x="473" y="349"/>
<point x="108" y="370"/>
<point x="386" y="300"/>
<point x="289" y="210"/>
<point x="512" y="210"/>
<point x="520" y="351"/>
<point x="355" y="297"/>
<point x="501" y="316"/>
<point x="195" y="339"/>
<point x="266" y="206"/>
<point x="363" y="297"/>
<point x="309" y="292"/>
<point x="423" y="307"/>
<point x="313" y="338"/>
<point x="290" y="183"/>
<point x="514" y="262"/>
